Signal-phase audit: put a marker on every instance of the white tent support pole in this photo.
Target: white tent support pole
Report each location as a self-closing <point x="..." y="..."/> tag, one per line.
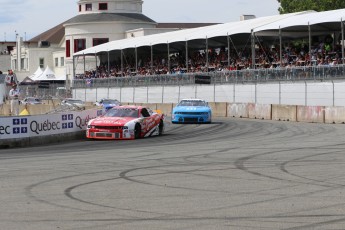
<point x="108" y="63"/>
<point x="136" y="59"/>
<point x="73" y="67"/>
<point x="121" y="61"/>
<point x="151" y="59"/>
<point x="168" y="57"/>
<point x="342" y="41"/>
<point x="280" y="47"/>
<point x="96" y="63"/>
<point x="253" y="49"/>
<point x="187" y="55"/>
<point x="228" y="39"/>
<point x="18" y="62"/>
<point x="309" y="31"/>
<point x="84" y="63"/>
<point x="206" y="51"/>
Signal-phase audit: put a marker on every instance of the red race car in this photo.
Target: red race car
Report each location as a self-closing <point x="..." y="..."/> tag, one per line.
<point x="126" y="122"/>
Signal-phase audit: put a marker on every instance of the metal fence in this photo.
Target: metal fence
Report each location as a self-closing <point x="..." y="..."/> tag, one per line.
<point x="318" y="73"/>
<point x="48" y="92"/>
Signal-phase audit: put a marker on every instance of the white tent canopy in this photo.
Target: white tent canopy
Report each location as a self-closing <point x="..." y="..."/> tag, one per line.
<point x="312" y="18"/>
<point x="221" y="30"/>
<point x="36" y="74"/>
<point x="47" y="75"/>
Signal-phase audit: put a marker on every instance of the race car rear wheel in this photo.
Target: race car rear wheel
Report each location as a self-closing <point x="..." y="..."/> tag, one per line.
<point x="161" y="127"/>
<point x="137" y="131"/>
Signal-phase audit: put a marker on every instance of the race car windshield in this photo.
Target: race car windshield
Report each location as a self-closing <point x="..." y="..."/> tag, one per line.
<point x="122" y="113"/>
<point x="106" y="101"/>
<point x="192" y="103"/>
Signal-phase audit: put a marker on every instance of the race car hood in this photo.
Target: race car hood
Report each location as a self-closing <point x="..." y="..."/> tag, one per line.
<point x="120" y="121"/>
<point x="191" y="108"/>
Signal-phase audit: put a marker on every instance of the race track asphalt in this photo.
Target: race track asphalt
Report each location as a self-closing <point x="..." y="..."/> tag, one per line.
<point x="231" y="174"/>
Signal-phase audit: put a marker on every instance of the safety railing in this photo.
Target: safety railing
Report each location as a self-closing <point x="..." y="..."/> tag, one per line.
<point x="304" y="73"/>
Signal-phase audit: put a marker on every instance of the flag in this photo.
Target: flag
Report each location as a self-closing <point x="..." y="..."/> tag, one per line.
<point x="8" y="79"/>
<point x="88" y="82"/>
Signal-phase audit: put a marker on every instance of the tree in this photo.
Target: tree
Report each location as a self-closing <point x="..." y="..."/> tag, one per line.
<point x="290" y="6"/>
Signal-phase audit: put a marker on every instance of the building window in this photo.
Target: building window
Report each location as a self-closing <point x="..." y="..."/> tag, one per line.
<point x="103" y="6"/>
<point x="22" y="63"/>
<point x="14" y="64"/>
<point x="88" y="7"/>
<point x="79" y="44"/>
<point x="68" y="48"/>
<point x="62" y="61"/>
<point x="98" y="41"/>
<point x="41" y="61"/>
<point x="79" y="8"/>
<point x="56" y="62"/>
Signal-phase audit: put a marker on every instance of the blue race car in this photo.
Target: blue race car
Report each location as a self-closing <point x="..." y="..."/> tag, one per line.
<point x="107" y="104"/>
<point x="192" y="111"/>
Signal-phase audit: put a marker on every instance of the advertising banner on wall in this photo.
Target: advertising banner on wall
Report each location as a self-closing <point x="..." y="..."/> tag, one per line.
<point x="48" y="124"/>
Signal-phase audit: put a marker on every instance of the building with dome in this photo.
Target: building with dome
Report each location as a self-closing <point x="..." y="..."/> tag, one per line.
<point x="96" y="22"/>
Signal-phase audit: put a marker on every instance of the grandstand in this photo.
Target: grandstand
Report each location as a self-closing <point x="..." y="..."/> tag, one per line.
<point x="297" y="40"/>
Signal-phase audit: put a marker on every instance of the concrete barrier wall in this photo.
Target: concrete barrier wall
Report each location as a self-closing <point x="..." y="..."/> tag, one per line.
<point x="219" y="109"/>
<point x="237" y="110"/>
<point x="311" y="114"/>
<point x="317" y="114"/>
<point x="284" y="112"/>
<point x="18" y="131"/>
<point x="37" y="109"/>
<point x="314" y="114"/>
<point x="5" y="109"/>
<point x="335" y="115"/>
<point x="259" y="111"/>
<point x="165" y="108"/>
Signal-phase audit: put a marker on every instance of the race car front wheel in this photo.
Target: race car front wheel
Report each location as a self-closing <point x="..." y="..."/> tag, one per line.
<point x="137" y="131"/>
<point x="161" y="127"/>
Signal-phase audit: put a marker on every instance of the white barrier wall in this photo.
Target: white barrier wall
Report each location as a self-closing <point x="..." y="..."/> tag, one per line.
<point x="45" y="125"/>
<point x="339" y="94"/>
<point x="293" y="94"/>
<point x="245" y="94"/>
<point x="156" y="94"/>
<point x="224" y="93"/>
<point x="321" y="93"/>
<point x="206" y="92"/>
<point x="141" y="94"/>
<point x="2" y="93"/>
<point x="267" y="94"/>
<point x="299" y="93"/>
<point x="188" y="91"/>
<point x="171" y="94"/>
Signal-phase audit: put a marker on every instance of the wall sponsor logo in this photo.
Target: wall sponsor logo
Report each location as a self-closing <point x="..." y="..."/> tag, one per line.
<point x="82" y="123"/>
<point x="32" y="126"/>
<point x="67" y="121"/>
<point x="20" y="125"/>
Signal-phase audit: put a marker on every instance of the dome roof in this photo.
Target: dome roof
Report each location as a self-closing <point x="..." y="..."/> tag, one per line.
<point x="107" y="17"/>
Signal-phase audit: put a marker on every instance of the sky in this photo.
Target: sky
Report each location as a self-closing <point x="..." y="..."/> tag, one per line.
<point x="29" y="18"/>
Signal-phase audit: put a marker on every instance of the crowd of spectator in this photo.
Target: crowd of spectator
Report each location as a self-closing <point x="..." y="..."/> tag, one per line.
<point x="294" y="54"/>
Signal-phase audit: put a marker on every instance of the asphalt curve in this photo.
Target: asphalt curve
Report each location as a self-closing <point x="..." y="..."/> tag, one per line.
<point x="231" y="174"/>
